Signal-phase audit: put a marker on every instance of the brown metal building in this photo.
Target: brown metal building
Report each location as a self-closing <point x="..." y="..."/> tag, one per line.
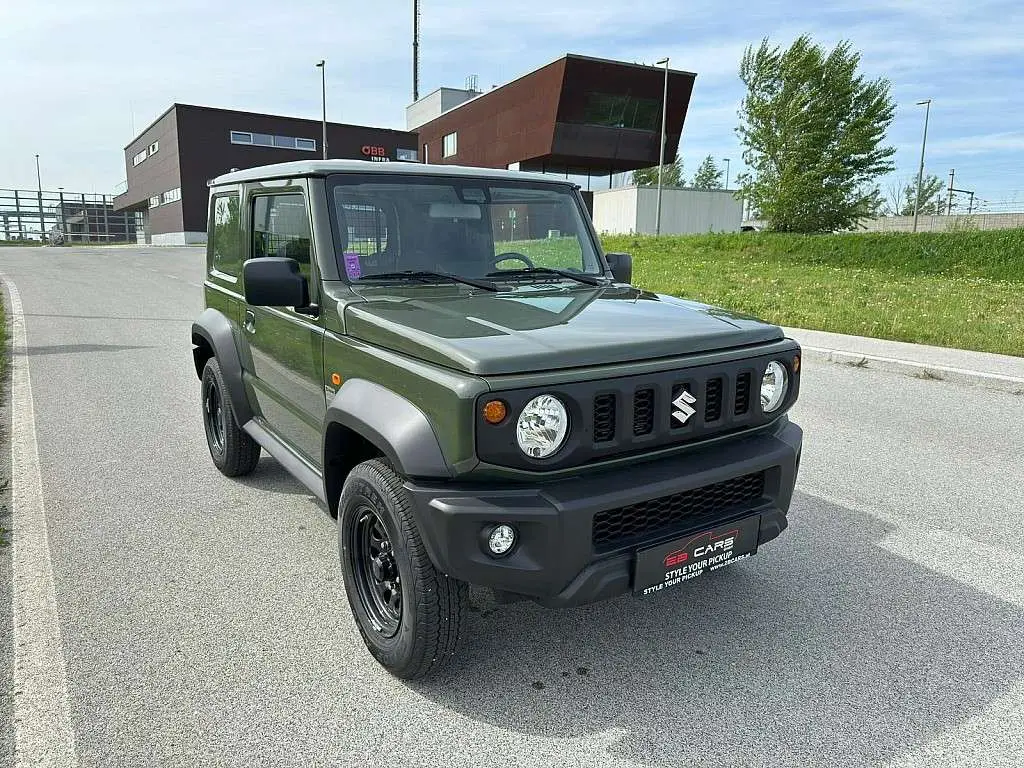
<point x="579" y="115"/>
<point x="169" y="163"/>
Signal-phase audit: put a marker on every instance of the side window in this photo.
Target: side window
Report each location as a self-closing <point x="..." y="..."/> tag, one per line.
<point x="280" y="227"/>
<point x="225" y="235"/>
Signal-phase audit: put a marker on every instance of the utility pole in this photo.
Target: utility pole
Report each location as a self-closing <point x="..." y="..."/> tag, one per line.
<point x="661" y="154"/>
<point x="970" y="204"/>
<point x="39" y="188"/>
<point x="726" y="160"/>
<point x="415" y="50"/>
<point x="323" y="85"/>
<point x="949" y="192"/>
<point x="920" y="170"/>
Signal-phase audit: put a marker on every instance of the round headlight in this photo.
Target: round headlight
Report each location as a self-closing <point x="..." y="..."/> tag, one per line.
<point x="774" y="384"/>
<point x="542" y="426"/>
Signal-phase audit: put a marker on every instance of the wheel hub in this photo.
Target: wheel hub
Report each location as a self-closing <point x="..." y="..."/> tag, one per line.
<point x="376" y="569"/>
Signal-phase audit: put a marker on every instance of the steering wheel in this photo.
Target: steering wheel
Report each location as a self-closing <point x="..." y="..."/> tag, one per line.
<point x="511" y="255"/>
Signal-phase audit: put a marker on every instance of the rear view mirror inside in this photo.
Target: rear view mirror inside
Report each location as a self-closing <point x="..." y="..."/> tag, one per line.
<point x="454" y="211"/>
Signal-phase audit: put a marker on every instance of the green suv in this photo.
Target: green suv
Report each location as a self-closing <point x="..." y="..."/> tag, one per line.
<point x="446" y="358"/>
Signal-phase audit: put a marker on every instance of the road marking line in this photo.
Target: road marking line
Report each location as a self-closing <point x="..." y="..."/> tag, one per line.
<point x="43" y="735"/>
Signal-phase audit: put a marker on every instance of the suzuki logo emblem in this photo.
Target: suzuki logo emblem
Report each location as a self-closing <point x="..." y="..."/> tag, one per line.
<point x="683" y="403"/>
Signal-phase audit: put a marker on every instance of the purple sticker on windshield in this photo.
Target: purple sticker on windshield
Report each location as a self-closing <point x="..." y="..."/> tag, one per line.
<point x="352" y="266"/>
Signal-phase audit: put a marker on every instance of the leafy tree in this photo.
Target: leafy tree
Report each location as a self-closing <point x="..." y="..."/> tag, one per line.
<point x="813" y="131"/>
<point x="708" y="175"/>
<point x="902" y="197"/>
<point x="672" y="175"/>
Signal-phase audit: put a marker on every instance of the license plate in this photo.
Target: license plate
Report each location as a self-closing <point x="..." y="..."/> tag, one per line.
<point x="671" y="564"/>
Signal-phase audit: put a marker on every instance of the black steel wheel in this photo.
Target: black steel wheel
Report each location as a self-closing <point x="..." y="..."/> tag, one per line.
<point x="377" y="578"/>
<point x="233" y="452"/>
<point x="409" y="613"/>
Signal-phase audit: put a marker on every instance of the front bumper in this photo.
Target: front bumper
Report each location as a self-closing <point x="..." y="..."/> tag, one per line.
<point x="555" y="561"/>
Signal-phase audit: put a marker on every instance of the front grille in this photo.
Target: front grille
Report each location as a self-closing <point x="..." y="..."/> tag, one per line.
<point x="617" y="527"/>
<point x="713" y="400"/>
<point x="604" y="418"/>
<point x="742" y="404"/>
<point x="643" y="412"/>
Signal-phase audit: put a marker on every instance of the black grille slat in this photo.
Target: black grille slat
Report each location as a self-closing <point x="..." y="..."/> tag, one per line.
<point x="604" y="418"/>
<point x="643" y="412"/>
<point x="617" y="527"/>
<point x="742" y="404"/>
<point x="713" y="400"/>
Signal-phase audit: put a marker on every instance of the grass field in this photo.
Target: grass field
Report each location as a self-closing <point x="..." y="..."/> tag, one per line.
<point x="959" y="289"/>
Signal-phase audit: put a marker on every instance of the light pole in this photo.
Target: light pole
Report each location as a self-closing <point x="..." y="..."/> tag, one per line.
<point x="322" y="65"/>
<point x="920" y="170"/>
<point x="726" y="160"/>
<point x="39" y="188"/>
<point x="661" y="154"/>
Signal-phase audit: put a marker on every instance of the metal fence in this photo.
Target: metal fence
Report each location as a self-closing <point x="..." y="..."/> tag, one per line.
<point x="79" y="216"/>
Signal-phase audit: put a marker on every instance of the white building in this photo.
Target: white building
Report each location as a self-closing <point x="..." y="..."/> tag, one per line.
<point x="633" y="210"/>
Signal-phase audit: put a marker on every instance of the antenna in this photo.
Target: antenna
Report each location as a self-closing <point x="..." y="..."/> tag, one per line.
<point x="415" y="50"/>
<point x="473" y="83"/>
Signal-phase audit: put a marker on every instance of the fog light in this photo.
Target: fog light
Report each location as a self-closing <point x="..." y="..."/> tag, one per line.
<point x="501" y="539"/>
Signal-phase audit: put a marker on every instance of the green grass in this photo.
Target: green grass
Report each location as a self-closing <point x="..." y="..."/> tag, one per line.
<point x="957" y="289"/>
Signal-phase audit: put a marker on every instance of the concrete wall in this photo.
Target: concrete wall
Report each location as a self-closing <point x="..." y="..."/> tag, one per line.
<point x="180" y="238"/>
<point x="615" y="210"/>
<point x="944" y="223"/>
<point x="630" y="210"/>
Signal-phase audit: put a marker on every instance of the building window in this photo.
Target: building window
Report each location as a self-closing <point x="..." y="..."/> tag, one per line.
<point x="154" y="201"/>
<point x="268" y="140"/>
<point x="225" y="235"/>
<point x="139" y="158"/>
<point x="171" y="195"/>
<point x="153" y="148"/>
<point x="406" y="155"/>
<point x="621" y="112"/>
<point x="280" y="227"/>
<point x="450" y="145"/>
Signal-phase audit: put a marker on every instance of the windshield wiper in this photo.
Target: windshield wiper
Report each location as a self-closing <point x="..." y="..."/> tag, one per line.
<point x="419" y="274"/>
<point x="581" y="277"/>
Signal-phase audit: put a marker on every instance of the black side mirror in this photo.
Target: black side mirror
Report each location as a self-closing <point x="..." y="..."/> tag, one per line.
<point x="621" y="265"/>
<point x="272" y="281"/>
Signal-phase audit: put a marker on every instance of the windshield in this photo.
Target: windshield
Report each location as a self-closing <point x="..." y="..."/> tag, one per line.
<point x="389" y="225"/>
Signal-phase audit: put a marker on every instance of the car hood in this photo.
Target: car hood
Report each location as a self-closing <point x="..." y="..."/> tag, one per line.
<point x="540" y="329"/>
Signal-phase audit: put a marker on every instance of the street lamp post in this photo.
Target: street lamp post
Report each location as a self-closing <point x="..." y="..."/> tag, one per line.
<point x="920" y="170"/>
<point x="726" y="160"/>
<point x="322" y="65"/>
<point x="661" y="154"/>
<point x="39" y="191"/>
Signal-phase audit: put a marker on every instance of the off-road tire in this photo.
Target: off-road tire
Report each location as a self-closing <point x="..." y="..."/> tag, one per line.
<point x="233" y="452"/>
<point x="433" y="606"/>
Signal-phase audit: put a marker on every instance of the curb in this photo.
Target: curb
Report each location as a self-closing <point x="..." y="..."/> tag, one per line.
<point x="1012" y="384"/>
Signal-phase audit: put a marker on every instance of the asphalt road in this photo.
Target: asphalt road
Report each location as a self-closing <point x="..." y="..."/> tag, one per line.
<point x="204" y="621"/>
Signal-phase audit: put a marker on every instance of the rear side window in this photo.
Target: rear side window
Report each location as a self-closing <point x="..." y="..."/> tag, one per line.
<point x="280" y="227"/>
<point x="225" y="234"/>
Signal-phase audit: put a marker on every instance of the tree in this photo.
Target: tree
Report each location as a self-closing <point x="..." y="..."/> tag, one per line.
<point x="672" y="175"/>
<point x="902" y="197"/>
<point x="813" y="131"/>
<point x="708" y="176"/>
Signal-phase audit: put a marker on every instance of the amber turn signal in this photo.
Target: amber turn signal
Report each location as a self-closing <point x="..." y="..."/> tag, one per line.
<point x="796" y="363"/>
<point x="495" y="412"/>
<point x="335" y="379"/>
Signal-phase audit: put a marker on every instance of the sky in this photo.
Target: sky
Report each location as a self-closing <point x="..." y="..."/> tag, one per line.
<point x="80" y="79"/>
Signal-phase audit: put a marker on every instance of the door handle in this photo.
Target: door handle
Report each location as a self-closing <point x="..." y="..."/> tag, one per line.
<point x="250" y="320"/>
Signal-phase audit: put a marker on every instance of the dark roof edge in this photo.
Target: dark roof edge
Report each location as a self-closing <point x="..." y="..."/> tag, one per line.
<point x="177" y="105"/>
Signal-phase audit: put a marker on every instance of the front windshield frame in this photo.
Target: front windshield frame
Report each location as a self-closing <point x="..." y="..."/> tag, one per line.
<point x="593" y="262"/>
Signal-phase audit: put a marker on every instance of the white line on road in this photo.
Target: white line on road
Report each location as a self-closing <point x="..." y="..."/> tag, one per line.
<point x="43" y="735"/>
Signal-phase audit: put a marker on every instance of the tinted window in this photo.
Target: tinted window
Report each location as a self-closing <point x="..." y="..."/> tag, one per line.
<point x="621" y="111"/>
<point x="225" y="235"/>
<point x="280" y="227"/>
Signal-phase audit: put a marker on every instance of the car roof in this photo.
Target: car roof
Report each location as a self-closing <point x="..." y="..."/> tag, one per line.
<point x="327" y="167"/>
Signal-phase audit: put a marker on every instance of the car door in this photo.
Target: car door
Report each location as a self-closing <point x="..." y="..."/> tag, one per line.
<point x="285" y="360"/>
